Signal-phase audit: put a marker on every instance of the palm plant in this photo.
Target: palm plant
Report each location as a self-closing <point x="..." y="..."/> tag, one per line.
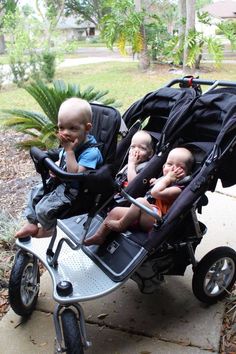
<point x="42" y="127"/>
<point x="196" y="43"/>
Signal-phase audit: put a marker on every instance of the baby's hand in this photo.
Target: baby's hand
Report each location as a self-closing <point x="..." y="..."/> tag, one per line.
<point x="176" y="173"/>
<point x="152" y="181"/>
<point x="66" y="143"/>
<point x="134" y="157"/>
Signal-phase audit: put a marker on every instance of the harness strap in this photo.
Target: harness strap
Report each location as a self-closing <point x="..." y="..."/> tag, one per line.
<point x="78" y="152"/>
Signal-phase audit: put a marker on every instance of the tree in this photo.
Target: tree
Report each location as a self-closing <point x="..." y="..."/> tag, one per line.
<point x="144" y="60"/>
<point x="23" y="41"/>
<point x="201" y="3"/>
<point x="181" y="29"/>
<point x="166" y="10"/>
<point x="122" y="26"/>
<point x="41" y="127"/>
<point x="50" y="12"/>
<point x="87" y="10"/>
<point x="125" y="26"/>
<point x="228" y="29"/>
<point x="193" y="43"/>
<point x="189" y="28"/>
<point x="6" y="6"/>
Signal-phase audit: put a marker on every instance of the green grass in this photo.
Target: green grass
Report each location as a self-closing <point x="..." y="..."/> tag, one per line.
<point x="123" y="80"/>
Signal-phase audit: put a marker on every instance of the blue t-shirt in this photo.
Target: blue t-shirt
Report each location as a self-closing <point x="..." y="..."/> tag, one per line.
<point x="90" y="158"/>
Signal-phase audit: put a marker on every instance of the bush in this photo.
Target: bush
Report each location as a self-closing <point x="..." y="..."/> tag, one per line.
<point x="48" y="65"/>
<point x="19" y="69"/>
<point x="42" y="127"/>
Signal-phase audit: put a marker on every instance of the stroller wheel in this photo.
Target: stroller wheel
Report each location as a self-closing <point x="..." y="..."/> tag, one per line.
<point x="215" y="274"/>
<point x="71" y="332"/>
<point x="24" y="284"/>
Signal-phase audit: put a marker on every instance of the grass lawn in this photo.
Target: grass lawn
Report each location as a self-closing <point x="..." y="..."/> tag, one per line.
<point x="123" y="80"/>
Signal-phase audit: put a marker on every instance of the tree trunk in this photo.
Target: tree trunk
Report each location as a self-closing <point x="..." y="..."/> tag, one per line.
<point x="144" y="60"/>
<point x="190" y="25"/>
<point x="2" y="44"/>
<point x="182" y="24"/>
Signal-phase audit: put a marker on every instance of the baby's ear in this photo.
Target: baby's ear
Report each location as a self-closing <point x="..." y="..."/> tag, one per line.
<point x="88" y="126"/>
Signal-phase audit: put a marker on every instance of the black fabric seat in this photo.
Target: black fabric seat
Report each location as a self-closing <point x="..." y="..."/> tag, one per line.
<point x="106" y="122"/>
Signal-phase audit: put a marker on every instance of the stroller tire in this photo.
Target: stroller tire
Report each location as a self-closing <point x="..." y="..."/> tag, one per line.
<point x="24" y="284"/>
<point x="214" y="275"/>
<point x="71" y="332"/>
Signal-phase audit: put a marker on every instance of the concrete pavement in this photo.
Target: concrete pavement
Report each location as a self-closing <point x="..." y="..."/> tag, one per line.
<point x="171" y="320"/>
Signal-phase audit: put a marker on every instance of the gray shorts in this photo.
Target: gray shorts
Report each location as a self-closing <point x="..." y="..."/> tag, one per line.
<point x="46" y="209"/>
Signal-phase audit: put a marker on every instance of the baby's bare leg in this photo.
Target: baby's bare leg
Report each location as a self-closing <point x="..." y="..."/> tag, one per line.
<point x="146" y="221"/>
<point x="132" y="214"/>
<point x="100" y="236"/>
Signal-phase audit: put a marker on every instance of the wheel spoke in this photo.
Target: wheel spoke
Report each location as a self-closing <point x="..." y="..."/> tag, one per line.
<point x="227" y="271"/>
<point x="219" y="265"/>
<point x="219" y="276"/>
<point x="216" y="289"/>
<point x="210" y="286"/>
<point x="29" y="285"/>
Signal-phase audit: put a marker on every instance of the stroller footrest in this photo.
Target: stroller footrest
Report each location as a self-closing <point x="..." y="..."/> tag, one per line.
<point x="118" y="257"/>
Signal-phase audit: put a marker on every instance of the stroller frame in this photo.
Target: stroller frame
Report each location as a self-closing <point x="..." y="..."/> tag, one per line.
<point x="81" y="273"/>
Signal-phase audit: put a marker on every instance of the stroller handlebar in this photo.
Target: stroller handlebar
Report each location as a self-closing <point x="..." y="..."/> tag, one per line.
<point x="42" y="160"/>
<point x="63" y="175"/>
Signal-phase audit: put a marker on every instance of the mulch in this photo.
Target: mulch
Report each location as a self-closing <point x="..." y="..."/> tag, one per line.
<point x="17" y="175"/>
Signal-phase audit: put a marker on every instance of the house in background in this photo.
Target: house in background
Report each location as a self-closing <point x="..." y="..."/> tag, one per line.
<point x="73" y="29"/>
<point x="219" y="11"/>
<point x="225" y="10"/>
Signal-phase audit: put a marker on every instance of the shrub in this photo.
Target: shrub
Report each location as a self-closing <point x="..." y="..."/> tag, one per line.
<point x="41" y="127"/>
<point x="48" y="65"/>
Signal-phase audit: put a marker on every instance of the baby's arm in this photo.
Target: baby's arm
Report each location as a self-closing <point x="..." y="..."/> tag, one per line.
<point x="133" y="161"/>
<point x="163" y="189"/>
<point x="71" y="162"/>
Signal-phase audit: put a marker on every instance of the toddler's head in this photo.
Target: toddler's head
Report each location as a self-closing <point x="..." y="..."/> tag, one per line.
<point x="179" y="157"/>
<point x="74" y="119"/>
<point x="142" y="144"/>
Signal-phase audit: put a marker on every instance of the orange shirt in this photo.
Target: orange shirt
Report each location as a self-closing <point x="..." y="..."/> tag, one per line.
<point x="162" y="206"/>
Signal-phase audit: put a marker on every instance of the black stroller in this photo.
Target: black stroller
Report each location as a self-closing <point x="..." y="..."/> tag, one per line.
<point x="205" y="124"/>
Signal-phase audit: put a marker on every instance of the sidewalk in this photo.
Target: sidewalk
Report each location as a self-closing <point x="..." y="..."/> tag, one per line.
<point x="171" y="321"/>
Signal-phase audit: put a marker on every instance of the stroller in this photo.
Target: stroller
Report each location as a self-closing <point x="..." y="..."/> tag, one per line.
<point x="206" y="125"/>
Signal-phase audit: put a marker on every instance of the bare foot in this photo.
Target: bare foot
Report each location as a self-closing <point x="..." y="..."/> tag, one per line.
<point x="44" y="233"/>
<point x="95" y="240"/>
<point x="27" y="230"/>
